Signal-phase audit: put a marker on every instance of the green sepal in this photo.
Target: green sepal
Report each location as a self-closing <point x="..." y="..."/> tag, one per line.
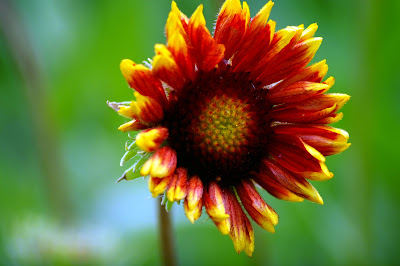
<point x="131" y="153"/>
<point x="134" y="171"/>
<point x="168" y="204"/>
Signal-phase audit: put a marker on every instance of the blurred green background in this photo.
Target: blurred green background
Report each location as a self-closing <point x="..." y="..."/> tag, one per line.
<point x="60" y="147"/>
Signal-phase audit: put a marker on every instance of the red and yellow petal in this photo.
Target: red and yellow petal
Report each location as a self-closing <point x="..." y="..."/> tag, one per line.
<point x="296" y="92"/>
<point x="216" y="207"/>
<point x="133" y="125"/>
<point x="182" y="17"/>
<point x="231" y="25"/>
<point x="183" y="57"/>
<point x="166" y="68"/>
<point x="309" y="32"/>
<point x="290" y="62"/>
<point x="296" y="156"/>
<point x="142" y="80"/>
<point x="193" y="202"/>
<point x="256" y="207"/>
<point x="313" y="73"/>
<point x="256" y="41"/>
<point x="282" y="41"/>
<point x="312" y="110"/>
<point x="275" y="188"/>
<point x="241" y="231"/>
<point x="177" y="188"/>
<point x="327" y="140"/>
<point x="157" y="186"/>
<point x="151" y="139"/>
<point x="146" y="109"/>
<point x="297" y="184"/>
<point x="161" y="164"/>
<point x="207" y="52"/>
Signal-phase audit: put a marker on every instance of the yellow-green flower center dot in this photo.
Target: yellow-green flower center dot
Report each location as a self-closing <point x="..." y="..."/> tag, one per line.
<point x="218" y="126"/>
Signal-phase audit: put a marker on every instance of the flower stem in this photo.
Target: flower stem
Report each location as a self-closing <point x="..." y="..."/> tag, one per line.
<point x="166" y="237"/>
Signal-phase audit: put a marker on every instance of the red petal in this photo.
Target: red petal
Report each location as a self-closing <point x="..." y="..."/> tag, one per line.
<point x="296" y="184"/>
<point x="256" y="207"/>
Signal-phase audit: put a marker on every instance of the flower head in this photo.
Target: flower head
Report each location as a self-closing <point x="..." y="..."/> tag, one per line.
<point x="218" y="114"/>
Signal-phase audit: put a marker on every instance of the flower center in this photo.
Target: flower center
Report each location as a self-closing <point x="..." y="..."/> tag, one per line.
<point x="219" y="125"/>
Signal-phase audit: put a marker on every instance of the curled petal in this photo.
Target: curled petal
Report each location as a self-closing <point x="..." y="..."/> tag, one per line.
<point x="142" y="80"/>
<point x="256" y="207"/>
<point x="194" y="213"/>
<point x="312" y="110"/>
<point x="133" y="125"/>
<point x="166" y="69"/>
<point x="146" y="109"/>
<point x="327" y="140"/>
<point x="206" y="51"/>
<point x="295" y="155"/>
<point x="231" y="25"/>
<point x="296" y="92"/>
<point x="151" y="139"/>
<point x="215" y="204"/>
<point x="161" y="164"/>
<point x="296" y="184"/>
<point x="177" y="188"/>
<point x="275" y="188"/>
<point x="241" y="231"/>
<point x="157" y="186"/>
<point x="193" y="201"/>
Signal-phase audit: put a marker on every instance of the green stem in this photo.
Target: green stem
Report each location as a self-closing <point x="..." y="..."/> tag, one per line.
<point x="166" y="236"/>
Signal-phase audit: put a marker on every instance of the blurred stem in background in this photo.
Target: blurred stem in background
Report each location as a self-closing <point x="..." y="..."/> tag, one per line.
<point x="47" y="150"/>
<point x="369" y="19"/>
<point x="167" y="247"/>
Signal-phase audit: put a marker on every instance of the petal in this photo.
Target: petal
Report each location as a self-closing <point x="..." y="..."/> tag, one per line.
<point x="295" y="155"/>
<point x="313" y="73"/>
<point x="309" y="32"/>
<point x="231" y="25"/>
<point x="215" y="204"/>
<point x="166" y="69"/>
<point x="296" y="184"/>
<point x="133" y="125"/>
<point x="151" y="139"/>
<point x="275" y="188"/>
<point x="182" y="17"/>
<point x="142" y="80"/>
<point x="193" y="201"/>
<point x="206" y="51"/>
<point x="180" y="49"/>
<point x="146" y="109"/>
<point x="177" y="188"/>
<point x="194" y="213"/>
<point x="289" y="62"/>
<point x="241" y="231"/>
<point x="157" y="186"/>
<point x="174" y="23"/>
<point x="282" y="41"/>
<point x="327" y="140"/>
<point x="161" y="164"/>
<point x="256" y="41"/>
<point x="256" y="207"/>
<point x="311" y="110"/>
<point x="296" y="92"/>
